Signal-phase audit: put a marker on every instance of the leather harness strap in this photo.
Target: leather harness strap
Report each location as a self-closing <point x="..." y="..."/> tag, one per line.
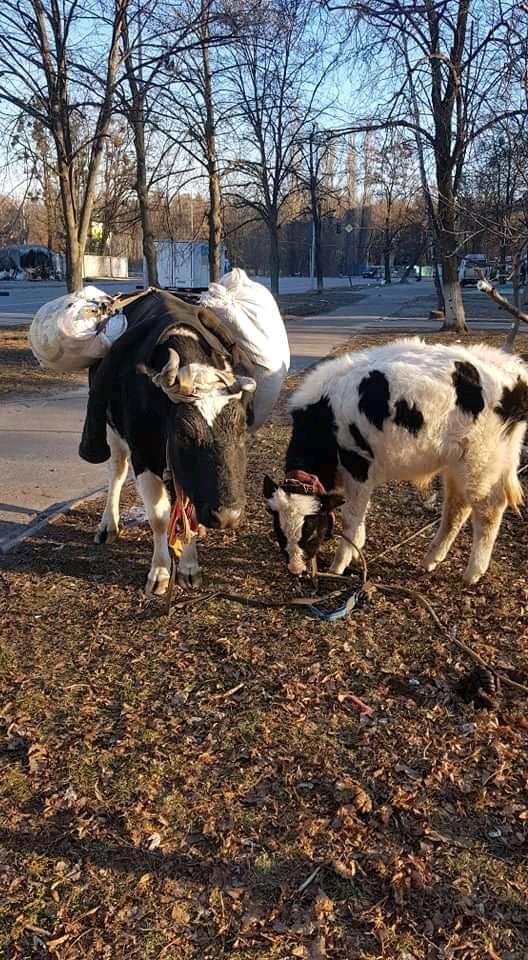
<point x="298" y="481"/>
<point x="199" y="318"/>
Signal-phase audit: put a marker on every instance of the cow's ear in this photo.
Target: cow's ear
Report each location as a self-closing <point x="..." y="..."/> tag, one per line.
<point x="268" y="487"/>
<point x="331" y="501"/>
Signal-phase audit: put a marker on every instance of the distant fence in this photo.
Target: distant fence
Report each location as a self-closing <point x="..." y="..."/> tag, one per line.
<point x="95" y="266"/>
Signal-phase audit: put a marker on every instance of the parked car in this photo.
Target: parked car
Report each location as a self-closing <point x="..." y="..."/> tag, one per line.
<point x="373" y="273"/>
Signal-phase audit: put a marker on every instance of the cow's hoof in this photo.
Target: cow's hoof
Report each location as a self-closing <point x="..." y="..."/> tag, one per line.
<point x="190" y="579"/>
<point x="356" y="562"/>
<point x="471" y="577"/>
<point x="157" y="582"/>
<point x="106" y="535"/>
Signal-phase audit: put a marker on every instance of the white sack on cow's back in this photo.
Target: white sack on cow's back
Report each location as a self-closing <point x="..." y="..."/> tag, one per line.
<point x="64" y="332"/>
<point x="252" y="315"/>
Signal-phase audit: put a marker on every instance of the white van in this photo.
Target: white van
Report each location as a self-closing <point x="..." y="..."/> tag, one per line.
<point x="470" y="267"/>
<point x="184" y="264"/>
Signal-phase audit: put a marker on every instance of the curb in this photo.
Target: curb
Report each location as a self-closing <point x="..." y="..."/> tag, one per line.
<point x="47" y="517"/>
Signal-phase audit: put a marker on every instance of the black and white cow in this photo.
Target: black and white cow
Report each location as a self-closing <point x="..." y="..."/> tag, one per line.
<point x="404" y="411"/>
<point x="169" y="400"/>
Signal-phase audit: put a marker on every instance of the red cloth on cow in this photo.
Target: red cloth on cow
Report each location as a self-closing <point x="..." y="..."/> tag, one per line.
<point x="183" y="523"/>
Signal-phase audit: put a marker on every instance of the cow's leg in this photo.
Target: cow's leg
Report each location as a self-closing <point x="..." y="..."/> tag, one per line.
<point x="353" y="516"/>
<point x="486" y="520"/>
<point x="108" y="528"/>
<point x="157" y="507"/>
<point x="455" y="512"/>
<point x="189" y="571"/>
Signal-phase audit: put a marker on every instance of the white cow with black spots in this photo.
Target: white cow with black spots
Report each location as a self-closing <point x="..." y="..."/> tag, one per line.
<point x="404" y="411"/>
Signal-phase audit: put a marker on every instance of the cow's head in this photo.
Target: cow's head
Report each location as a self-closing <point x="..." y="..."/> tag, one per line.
<point x="209" y="413"/>
<point x="303" y="517"/>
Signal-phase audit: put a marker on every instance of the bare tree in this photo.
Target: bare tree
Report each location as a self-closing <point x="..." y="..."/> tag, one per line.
<point x="453" y="63"/>
<point x="59" y="65"/>
<point x="135" y="108"/>
<point x="190" y="114"/>
<point x="115" y="187"/>
<point x="155" y="38"/>
<point x="315" y="177"/>
<point x="280" y="63"/>
<point x="500" y="202"/>
<point x="395" y="183"/>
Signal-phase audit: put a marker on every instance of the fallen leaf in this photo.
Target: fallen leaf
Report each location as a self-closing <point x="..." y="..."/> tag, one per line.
<point x="344" y="870"/>
<point x="153" y="841"/>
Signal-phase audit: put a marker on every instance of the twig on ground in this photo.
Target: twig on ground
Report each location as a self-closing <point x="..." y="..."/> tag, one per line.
<point x="306" y="883"/>
<point x="256" y="602"/>
<point x="402" y="543"/>
<point x="227" y="693"/>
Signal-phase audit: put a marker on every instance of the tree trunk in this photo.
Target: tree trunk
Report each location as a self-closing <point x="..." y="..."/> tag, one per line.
<point x="74" y="266"/>
<point x="502" y="262"/>
<point x="136" y="117"/>
<point x="387" y="253"/>
<point x="454" y="316"/>
<point x="315" y="203"/>
<point x="440" y="302"/>
<point x="215" y="225"/>
<point x="318" y="265"/>
<point x="48" y="204"/>
<point x="74" y="251"/>
<point x="149" y="248"/>
<point x="274" y="257"/>
<point x="215" y="196"/>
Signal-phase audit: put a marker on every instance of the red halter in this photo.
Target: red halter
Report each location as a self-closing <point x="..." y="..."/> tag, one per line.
<point x="300" y="482"/>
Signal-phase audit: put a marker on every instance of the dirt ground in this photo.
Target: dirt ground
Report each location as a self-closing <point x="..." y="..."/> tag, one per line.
<point x="201" y="785"/>
<point x="310" y="303"/>
<point x="21" y="373"/>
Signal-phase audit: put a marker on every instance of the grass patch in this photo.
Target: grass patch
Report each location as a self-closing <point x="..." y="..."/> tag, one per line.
<point x="148" y="812"/>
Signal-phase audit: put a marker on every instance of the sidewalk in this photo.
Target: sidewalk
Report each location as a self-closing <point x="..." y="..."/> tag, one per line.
<point x="41" y="469"/>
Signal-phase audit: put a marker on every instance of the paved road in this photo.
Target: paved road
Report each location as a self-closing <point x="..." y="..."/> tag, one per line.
<point x="24" y="297"/>
<point x="38" y="437"/>
<point x="20" y="300"/>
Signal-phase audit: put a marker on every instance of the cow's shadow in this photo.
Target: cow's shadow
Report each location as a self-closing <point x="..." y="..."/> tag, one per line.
<point x="68" y="549"/>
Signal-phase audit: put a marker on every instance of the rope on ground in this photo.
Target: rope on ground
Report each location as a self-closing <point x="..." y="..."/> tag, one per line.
<point x="367" y="588"/>
<point x="449" y="635"/>
<point x="248" y="601"/>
